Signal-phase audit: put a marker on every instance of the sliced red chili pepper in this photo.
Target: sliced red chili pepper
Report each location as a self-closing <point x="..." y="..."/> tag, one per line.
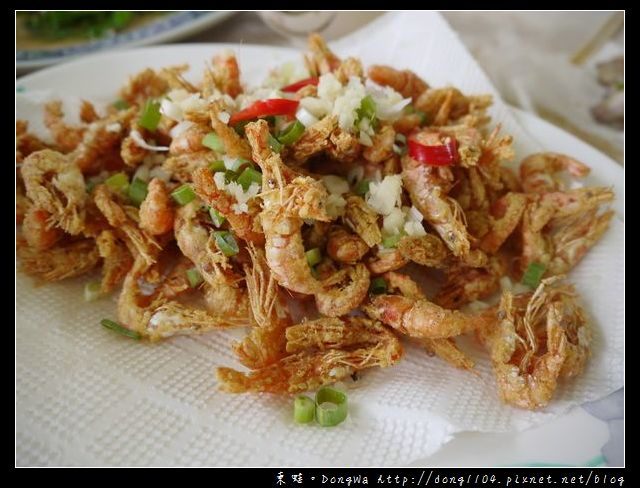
<point x="264" y="108"/>
<point x="441" y="155"/>
<point x="294" y="87"/>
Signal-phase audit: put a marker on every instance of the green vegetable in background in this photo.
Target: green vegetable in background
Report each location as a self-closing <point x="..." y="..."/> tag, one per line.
<point x="57" y="25"/>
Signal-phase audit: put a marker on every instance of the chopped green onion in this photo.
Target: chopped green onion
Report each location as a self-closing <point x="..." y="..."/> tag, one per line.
<point x="118" y="182"/>
<point x="378" y="286"/>
<point x="138" y="191"/>
<point x="533" y="275"/>
<point x="150" y="116"/>
<point x="314" y="256"/>
<point x="121" y="104"/>
<point x="423" y="117"/>
<point x="292" y="133"/>
<point x="362" y="188"/>
<point x="194" y="277"/>
<point x="239" y="127"/>
<point x="183" y="195"/>
<point x="331" y="406"/>
<point x="92" y="291"/>
<point x="249" y="176"/>
<point x="367" y="109"/>
<point x="116" y="327"/>
<point x="217" y="166"/>
<point x="314" y="272"/>
<point x="275" y="144"/>
<point x="391" y="241"/>
<point x="216" y="217"/>
<point x="226" y="242"/>
<point x="304" y="409"/>
<point x="91" y="184"/>
<point x="410" y="109"/>
<point x="212" y="141"/>
<point x="230" y="176"/>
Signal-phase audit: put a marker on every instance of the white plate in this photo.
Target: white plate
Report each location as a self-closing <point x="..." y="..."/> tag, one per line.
<point x="164" y="29"/>
<point x="573" y="439"/>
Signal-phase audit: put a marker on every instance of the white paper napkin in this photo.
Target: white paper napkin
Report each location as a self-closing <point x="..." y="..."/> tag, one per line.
<point x="85" y="396"/>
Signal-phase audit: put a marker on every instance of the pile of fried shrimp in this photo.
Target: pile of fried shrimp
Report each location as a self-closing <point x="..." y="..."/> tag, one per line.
<point x="212" y="206"/>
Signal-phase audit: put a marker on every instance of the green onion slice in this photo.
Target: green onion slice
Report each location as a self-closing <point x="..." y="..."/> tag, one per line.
<point x="391" y="241"/>
<point x="367" y="109"/>
<point x="118" y="182"/>
<point x="92" y="291"/>
<point x="275" y="144"/>
<point x="217" y="166"/>
<point x="362" y="188"/>
<point x="138" y="191"/>
<point x="314" y="256"/>
<point x="230" y="176"/>
<point x="150" y="116"/>
<point x="212" y="141"/>
<point x="121" y="104"/>
<point x="533" y="275"/>
<point x="249" y="176"/>
<point x="91" y="184"/>
<point x="304" y="409"/>
<point x="216" y="217"/>
<point x="183" y="195"/>
<point x="194" y="277"/>
<point x="226" y="242"/>
<point x="378" y="286"/>
<point x="116" y="327"/>
<point x="292" y="133"/>
<point x="423" y="117"/>
<point x="331" y="406"/>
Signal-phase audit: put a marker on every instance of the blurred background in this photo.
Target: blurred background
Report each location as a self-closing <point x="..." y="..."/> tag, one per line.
<point x="566" y="67"/>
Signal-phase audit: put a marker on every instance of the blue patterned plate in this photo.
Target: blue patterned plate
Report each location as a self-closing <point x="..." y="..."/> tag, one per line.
<point x="162" y="29"/>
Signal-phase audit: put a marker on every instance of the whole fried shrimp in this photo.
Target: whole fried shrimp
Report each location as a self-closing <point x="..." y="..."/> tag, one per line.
<point x="344" y="292"/>
<point x="38" y="230"/>
<point x="537" y="171"/>
<point x="406" y="82"/>
<point x="156" y="211"/>
<point x="56" y="185"/>
<point x="344" y="246"/>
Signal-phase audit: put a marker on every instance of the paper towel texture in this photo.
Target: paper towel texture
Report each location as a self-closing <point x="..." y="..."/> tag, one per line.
<point x="86" y="396"/>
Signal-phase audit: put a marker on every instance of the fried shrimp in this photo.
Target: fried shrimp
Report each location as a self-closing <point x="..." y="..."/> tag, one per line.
<point x="427" y="250"/>
<point x="54" y="184"/>
<point x="537" y="336"/>
<point x="282" y="220"/>
<point x="59" y="262"/>
<point x="309" y="370"/>
<point x="156" y="211"/>
<point x="266" y="342"/>
<point x="445" y="349"/>
<point x="38" y="231"/>
<point x="138" y="241"/>
<point x="116" y="260"/>
<point x="362" y="220"/>
<point x="344" y="292"/>
<point x="406" y="82"/>
<point x="421" y="318"/>
<point x="344" y="246"/>
<point x="298" y="209"/>
<point x="537" y="171"/>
